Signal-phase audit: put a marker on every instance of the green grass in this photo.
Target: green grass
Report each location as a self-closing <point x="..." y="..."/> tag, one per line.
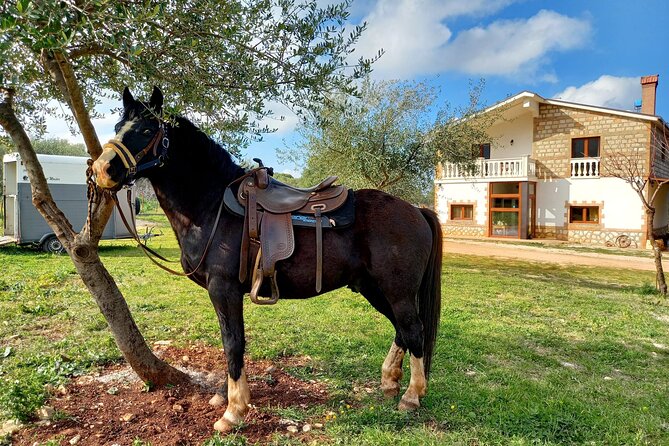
<point x="527" y="354"/>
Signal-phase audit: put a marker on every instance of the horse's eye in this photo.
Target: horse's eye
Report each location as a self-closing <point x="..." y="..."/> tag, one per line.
<point x="147" y="132"/>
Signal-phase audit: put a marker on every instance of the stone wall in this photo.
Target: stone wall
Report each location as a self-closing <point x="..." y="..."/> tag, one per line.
<point x="660" y="144"/>
<point x="550" y="232"/>
<point x="595" y="237"/>
<point x="556" y="126"/>
<point x="463" y="230"/>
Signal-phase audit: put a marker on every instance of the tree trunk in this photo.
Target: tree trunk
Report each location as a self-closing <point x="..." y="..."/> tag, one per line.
<point x="660" y="280"/>
<point x="113" y="306"/>
<point x="84" y="254"/>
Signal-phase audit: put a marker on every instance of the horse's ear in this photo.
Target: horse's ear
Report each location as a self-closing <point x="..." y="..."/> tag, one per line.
<point x="156" y="100"/>
<point x="127" y="97"/>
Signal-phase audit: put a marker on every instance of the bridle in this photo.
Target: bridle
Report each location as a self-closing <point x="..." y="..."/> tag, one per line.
<point x="132" y="163"/>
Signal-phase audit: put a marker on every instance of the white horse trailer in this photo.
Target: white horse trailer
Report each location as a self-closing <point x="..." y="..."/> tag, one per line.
<point x="66" y="176"/>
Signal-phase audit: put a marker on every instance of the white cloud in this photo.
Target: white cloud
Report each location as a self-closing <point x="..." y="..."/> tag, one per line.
<point x="104" y="126"/>
<point x="607" y="91"/>
<point x="283" y="119"/>
<point x="508" y="46"/>
<point x="417" y="40"/>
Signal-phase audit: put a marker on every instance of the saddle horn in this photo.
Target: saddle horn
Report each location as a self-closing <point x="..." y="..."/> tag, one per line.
<point x="270" y="170"/>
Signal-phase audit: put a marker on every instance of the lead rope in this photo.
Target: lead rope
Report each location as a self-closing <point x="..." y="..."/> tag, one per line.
<point x="92" y="193"/>
<point x="148" y="251"/>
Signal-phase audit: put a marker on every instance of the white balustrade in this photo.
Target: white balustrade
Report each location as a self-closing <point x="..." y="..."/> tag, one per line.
<point x="585" y="167"/>
<point x="521" y="167"/>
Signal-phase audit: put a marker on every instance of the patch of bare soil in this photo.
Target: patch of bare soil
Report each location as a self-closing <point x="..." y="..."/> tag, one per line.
<point x="546" y="255"/>
<point x="113" y="407"/>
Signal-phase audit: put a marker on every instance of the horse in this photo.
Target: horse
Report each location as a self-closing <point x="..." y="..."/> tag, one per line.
<point x="391" y="254"/>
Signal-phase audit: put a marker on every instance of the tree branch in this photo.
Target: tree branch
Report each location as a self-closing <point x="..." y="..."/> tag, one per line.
<point x="60" y="69"/>
<point x="96" y="50"/>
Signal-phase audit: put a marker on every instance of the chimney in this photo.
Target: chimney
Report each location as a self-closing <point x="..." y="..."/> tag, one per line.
<point x="648" y="89"/>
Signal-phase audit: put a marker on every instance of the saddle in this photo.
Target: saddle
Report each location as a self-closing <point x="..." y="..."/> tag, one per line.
<point x="271" y="209"/>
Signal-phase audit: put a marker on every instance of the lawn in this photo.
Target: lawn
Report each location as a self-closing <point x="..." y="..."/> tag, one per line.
<point x="527" y="353"/>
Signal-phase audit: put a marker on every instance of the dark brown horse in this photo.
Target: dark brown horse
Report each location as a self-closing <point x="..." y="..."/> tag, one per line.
<point x="391" y="254"/>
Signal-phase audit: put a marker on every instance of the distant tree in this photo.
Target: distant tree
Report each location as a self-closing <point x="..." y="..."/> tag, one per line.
<point x="391" y="138"/>
<point x="639" y="168"/>
<point x="288" y="179"/>
<point x="58" y="146"/>
<point x="6" y="145"/>
<point x="219" y="62"/>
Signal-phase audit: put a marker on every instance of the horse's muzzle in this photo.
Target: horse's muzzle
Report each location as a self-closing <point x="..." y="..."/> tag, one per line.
<point x="103" y="170"/>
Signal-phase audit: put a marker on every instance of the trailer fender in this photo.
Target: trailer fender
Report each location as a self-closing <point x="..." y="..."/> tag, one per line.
<point x="50" y="243"/>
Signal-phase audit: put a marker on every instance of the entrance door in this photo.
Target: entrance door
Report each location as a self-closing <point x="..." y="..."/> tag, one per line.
<point x="512" y="209"/>
<point x="505" y="210"/>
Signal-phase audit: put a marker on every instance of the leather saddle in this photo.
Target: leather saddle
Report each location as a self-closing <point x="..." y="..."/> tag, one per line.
<point x="270" y="209"/>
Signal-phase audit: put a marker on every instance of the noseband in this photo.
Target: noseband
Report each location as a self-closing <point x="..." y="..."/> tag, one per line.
<point x="131" y="162"/>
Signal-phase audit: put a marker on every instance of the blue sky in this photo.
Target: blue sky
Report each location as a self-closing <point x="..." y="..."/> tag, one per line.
<point x="590" y="52"/>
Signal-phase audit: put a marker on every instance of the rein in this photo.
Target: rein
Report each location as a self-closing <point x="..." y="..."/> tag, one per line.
<point x="150" y="252"/>
<point x="131" y="163"/>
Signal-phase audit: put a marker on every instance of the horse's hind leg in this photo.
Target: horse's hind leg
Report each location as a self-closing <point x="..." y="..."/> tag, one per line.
<point x="411" y="331"/>
<point x="228" y="305"/>
<point x="396" y="301"/>
<point x="391" y="370"/>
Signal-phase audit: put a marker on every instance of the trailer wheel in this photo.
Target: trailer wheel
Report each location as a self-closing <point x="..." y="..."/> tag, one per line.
<point x="138" y="206"/>
<point x="53" y="245"/>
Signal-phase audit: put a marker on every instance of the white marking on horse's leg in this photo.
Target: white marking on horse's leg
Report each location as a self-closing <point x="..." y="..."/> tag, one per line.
<point x="217" y="400"/>
<point x="417" y="386"/>
<point x="391" y="371"/>
<point x="239" y="398"/>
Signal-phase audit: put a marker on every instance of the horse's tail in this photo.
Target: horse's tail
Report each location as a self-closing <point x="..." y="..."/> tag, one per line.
<point x="429" y="294"/>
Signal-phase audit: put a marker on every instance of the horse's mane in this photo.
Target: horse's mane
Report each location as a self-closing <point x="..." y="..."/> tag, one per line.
<point x="215" y="153"/>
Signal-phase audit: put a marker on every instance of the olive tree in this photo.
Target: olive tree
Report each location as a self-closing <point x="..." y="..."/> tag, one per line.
<point x="220" y="63"/>
<point x="390" y="138"/>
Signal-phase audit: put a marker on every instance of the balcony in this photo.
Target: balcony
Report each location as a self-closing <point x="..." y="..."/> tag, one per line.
<point x="585" y="167"/>
<point x="520" y="168"/>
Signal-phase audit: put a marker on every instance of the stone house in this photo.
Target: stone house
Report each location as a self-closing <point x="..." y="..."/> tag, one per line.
<point x="546" y="172"/>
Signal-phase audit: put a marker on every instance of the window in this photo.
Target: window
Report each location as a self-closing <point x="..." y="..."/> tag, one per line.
<point x="483" y="150"/>
<point x="585" y="147"/>
<point x="462" y="212"/>
<point x="505" y="188"/>
<point x="505" y="203"/>
<point x="584" y="214"/>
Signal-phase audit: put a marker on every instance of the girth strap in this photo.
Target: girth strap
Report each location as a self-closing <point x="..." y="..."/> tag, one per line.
<point x="319" y="248"/>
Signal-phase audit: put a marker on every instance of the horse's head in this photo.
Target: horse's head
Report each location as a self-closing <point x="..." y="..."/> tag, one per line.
<point x="140" y="142"/>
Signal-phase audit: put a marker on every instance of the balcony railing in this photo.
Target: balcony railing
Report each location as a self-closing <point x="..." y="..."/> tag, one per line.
<point x="585" y="167"/>
<point x="521" y="167"/>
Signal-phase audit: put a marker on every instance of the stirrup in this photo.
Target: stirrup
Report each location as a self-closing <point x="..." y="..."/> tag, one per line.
<point x="257" y="283"/>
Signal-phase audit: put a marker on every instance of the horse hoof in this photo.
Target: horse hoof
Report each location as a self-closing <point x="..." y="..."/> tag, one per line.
<point x="223" y="426"/>
<point x="390" y="392"/>
<point x="408" y="404"/>
<point x="217" y="400"/>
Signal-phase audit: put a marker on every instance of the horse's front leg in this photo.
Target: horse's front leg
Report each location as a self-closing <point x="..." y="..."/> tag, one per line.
<point x="228" y="302"/>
